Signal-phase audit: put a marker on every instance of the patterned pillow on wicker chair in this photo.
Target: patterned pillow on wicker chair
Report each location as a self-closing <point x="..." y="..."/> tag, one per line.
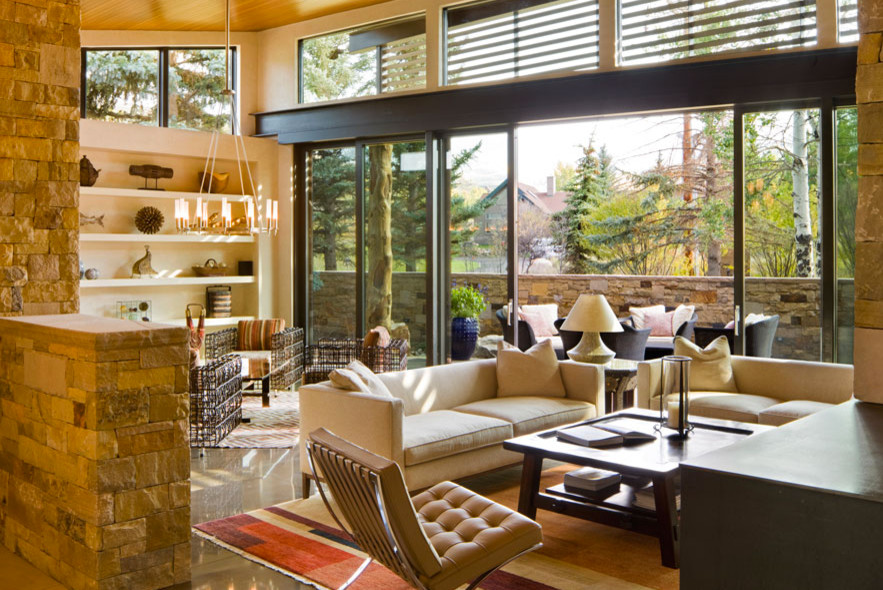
<point x="258" y="334"/>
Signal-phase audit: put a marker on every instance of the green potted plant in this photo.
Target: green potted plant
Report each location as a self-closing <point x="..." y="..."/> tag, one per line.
<point x="467" y="303"/>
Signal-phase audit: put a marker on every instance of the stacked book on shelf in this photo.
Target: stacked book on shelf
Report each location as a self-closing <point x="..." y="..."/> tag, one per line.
<point x="589" y="480"/>
<point x="645" y="499"/>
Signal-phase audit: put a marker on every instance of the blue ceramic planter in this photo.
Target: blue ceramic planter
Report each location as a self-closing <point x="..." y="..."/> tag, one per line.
<point x="464" y="337"/>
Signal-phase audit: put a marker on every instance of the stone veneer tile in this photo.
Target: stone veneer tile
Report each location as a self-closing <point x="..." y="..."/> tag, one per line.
<point x="94" y="479"/>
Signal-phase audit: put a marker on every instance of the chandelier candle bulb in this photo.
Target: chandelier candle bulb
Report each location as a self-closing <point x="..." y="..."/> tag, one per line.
<point x="249" y="214"/>
<point x="225" y="213"/>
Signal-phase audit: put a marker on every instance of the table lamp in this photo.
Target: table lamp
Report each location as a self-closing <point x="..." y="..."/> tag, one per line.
<point x="591" y="315"/>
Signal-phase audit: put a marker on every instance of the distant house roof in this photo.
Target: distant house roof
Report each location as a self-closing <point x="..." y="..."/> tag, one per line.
<point x="529" y="194"/>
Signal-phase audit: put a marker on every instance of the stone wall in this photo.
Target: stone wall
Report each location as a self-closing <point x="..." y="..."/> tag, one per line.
<point x="39" y="152"/>
<point x="797" y="301"/>
<point x="94" y="450"/>
<point x="869" y="213"/>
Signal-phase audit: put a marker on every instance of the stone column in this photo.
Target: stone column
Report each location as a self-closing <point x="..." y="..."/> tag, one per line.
<point x="869" y="214"/>
<point x="94" y="450"/>
<point x="39" y="153"/>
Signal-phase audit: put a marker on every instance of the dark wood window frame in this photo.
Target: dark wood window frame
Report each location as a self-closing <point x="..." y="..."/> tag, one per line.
<point x="162" y="74"/>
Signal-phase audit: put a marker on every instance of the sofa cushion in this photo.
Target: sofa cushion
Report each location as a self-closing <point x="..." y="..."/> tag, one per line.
<point x="660" y="342"/>
<point x="711" y="369"/>
<point x="255" y="363"/>
<point x="740" y="407"/>
<point x="533" y="372"/>
<point x="442" y="433"/>
<point x="789" y="411"/>
<point x="531" y="414"/>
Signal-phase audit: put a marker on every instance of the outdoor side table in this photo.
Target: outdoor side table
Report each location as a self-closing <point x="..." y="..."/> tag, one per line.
<point x="620" y="380"/>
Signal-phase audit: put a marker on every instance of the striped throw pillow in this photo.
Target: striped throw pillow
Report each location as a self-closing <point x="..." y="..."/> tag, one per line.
<point x="258" y="334"/>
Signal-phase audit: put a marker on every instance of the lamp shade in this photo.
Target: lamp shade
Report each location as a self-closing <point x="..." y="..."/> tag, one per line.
<point x="591" y="313"/>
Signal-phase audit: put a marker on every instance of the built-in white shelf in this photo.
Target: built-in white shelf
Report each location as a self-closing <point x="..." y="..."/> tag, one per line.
<point x="174" y="238"/>
<point x="165" y="282"/>
<point x="211" y="322"/>
<point x="134" y="193"/>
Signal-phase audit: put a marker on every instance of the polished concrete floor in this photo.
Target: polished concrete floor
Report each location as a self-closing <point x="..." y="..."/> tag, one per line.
<point x="225" y="482"/>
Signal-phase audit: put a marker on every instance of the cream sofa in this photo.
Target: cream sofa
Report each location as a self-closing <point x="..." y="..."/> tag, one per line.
<point x="769" y="391"/>
<point x="446" y="422"/>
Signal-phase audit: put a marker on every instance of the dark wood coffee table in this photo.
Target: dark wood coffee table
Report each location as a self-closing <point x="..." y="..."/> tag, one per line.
<point x="656" y="461"/>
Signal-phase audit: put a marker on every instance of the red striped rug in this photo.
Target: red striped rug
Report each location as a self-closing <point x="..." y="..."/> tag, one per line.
<point x="300" y="540"/>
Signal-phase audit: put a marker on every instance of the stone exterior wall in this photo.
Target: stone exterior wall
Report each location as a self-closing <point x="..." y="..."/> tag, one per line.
<point x="94" y="450"/>
<point x="39" y="152"/>
<point x="869" y="214"/>
<point x="797" y="301"/>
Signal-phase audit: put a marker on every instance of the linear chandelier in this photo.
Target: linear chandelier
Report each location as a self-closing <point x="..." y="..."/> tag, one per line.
<point x="260" y="215"/>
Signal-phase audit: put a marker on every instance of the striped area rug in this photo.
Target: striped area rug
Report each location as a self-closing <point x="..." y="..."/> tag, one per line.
<point x="299" y="539"/>
<point x="276" y="427"/>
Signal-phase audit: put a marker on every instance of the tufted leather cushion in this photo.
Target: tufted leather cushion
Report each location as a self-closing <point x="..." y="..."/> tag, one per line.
<point x="470" y="533"/>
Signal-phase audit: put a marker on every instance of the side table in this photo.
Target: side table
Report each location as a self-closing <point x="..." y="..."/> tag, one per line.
<point x="620" y="379"/>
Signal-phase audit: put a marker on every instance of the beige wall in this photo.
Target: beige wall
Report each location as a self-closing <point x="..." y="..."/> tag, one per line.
<point x="869" y="215"/>
<point x="246" y="43"/>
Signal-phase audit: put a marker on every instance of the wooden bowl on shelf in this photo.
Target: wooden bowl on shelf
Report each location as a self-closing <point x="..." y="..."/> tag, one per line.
<point x="213" y="182"/>
<point x="211" y="268"/>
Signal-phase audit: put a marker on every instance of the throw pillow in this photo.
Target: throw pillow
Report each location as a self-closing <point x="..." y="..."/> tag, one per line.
<point x="358" y="377"/>
<point x="541" y="318"/>
<point x="753" y="318"/>
<point x="660" y="324"/>
<point x="258" y="334"/>
<point x="640" y="313"/>
<point x="533" y="372"/>
<point x="369" y="378"/>
<point x="710" y="369"/>
<point x="682" y="315"/>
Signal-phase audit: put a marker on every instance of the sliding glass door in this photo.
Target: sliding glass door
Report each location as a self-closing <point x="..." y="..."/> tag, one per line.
<point x="394" y="229"/>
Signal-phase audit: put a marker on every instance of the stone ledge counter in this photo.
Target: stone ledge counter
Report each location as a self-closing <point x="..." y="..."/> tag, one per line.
<point x="94" y="450"/>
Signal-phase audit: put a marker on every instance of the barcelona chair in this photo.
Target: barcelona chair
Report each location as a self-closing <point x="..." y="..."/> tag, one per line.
<point x="440" y="539"/>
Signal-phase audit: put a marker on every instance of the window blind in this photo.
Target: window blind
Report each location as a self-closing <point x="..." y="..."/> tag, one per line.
<point x="660" y="30"/>
<point x="847" y="21"/>
<point x="403" y="64"/>
<point x="501" y="40"/>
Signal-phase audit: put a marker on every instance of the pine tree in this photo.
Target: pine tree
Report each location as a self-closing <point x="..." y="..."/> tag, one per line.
<point x="592" y="185"/>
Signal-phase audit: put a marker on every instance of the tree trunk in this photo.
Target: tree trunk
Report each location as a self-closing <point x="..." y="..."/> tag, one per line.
<point x="378" y="236"/>
<point x="713" y="255"/>
<point x="330" y="252"/>
<point x="800" y="182"/>
<point x="687" y="175"/>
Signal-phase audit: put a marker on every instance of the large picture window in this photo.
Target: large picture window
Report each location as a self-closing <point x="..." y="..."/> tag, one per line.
<point x="385" y="58"/>
<point x="169" y="87"/>
<point x="489" y="41"/>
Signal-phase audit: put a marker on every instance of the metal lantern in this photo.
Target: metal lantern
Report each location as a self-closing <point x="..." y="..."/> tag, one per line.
<point x="674" y="405"/>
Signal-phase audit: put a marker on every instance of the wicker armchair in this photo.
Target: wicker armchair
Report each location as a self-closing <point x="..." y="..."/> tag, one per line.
<point x="336" y="353"/>
<point x="286" y="349"/>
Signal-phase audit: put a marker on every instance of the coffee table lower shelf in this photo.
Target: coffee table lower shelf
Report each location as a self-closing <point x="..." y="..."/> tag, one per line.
<point x="616" y="510"/>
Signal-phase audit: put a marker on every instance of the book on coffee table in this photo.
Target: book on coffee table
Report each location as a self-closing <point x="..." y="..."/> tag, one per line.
<point x="591" y="479"/>
<point x="626" y="431"/>
<point x="646" y="499"/>
<point x="589" y="436"/>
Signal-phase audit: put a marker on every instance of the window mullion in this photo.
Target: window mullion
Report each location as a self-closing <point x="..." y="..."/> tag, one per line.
<point x="164" y="87"/>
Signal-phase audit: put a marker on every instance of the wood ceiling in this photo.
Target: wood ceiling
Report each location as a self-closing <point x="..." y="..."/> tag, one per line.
<point x="207" y="15"/>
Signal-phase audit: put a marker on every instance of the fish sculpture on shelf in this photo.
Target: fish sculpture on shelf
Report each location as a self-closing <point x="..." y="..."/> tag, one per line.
<point x="151" y="172"/>
<point x="91" y="220"/>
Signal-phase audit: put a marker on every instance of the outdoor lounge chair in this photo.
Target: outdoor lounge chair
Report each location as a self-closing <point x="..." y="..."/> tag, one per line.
<point x="759" y="336"/>
<point x="628" y="344"/>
